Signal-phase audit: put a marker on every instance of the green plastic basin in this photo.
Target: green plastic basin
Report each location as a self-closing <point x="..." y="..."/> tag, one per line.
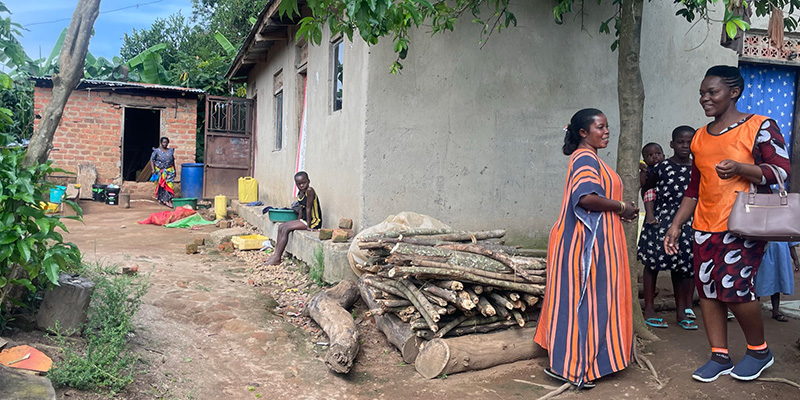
<point x="282" y="215"/>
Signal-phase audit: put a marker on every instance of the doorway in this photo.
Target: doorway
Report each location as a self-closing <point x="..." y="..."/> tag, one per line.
<point x="140" y="135"/>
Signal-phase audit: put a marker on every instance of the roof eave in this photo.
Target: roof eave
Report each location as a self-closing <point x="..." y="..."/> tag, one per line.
<point x="262" y="33"/>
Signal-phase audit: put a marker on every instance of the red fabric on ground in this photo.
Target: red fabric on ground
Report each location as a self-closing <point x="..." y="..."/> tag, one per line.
<point x="166" y="217"/>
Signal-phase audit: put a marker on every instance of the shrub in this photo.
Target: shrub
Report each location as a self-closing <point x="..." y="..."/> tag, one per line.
<point x="106" y="363"/>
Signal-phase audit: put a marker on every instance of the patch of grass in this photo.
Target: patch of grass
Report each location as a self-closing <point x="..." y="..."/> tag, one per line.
<point x="317" y="266"/>
<point x="106" y="363"/>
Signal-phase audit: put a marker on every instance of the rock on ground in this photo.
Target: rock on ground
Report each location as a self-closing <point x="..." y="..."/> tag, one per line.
<point x="23" y="386"/>
<point x="224" y="235"/>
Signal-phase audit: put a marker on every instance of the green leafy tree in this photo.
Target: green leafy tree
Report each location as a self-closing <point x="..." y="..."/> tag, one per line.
<point x="231" y="18"/>
<point x="32" y="250"/>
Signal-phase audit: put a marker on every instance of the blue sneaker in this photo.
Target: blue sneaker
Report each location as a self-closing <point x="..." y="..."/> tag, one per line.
<point x="751" y="368"/>
<point x="712" y="370"/>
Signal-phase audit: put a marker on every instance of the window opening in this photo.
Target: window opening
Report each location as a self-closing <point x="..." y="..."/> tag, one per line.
<point x="338" y="69"/>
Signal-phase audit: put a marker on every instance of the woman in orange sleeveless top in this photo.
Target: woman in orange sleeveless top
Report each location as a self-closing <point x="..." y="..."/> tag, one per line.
<point x="729" y="154"/>
<point x="585" y="323"/>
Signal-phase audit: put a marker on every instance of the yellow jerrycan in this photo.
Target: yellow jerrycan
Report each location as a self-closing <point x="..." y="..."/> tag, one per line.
<point x="248" y="190"/>
<point x="221" y="206"/>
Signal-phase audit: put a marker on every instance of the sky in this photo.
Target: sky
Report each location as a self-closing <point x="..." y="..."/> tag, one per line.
<point x="44" y="20"/>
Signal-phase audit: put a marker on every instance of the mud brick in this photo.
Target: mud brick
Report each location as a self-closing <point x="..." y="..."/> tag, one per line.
<point x="191" y="248"/>
<point x="199" y="241"/>
<point x="325" y="234"/>
<point x="339" y="236"/>
<point x="350" y="233"/>
<point x="239" y="221"/>
<point x="346" y="223"/>
<point x="130" y="270"/>
<point x="226" y="247"/>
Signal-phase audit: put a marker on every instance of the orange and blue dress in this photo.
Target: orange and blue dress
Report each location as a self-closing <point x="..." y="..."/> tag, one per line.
<point x="586" y="318"/>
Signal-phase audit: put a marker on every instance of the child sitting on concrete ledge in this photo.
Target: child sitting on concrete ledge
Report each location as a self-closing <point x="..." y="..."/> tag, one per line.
<point x="309" y="211"/>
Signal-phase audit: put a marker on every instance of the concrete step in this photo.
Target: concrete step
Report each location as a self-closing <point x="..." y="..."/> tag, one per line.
<point x="302" y="244"/>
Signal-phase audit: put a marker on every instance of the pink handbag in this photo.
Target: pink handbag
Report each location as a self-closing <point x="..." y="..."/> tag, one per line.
<point x="766" y="216"/>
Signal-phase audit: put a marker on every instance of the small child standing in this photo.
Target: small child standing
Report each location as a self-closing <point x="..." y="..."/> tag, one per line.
<point x="309" y="213"/>
<point x="669" y="179"/>
<point x="652" y="154"/>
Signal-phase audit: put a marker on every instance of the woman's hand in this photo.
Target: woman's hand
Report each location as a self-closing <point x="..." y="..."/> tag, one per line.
<point x="651" y="221"/>
<point x="727" y="169"/>
<point x="630" y="213"/>
<point x="671" y="239"/>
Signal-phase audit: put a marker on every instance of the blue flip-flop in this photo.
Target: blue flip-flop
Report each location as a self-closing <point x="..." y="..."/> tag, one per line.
<point x="656" y="322"/>
<point x="688" y="324"/>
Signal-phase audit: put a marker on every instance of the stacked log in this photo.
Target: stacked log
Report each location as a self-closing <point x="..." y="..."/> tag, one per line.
<point x="449" y="283"/>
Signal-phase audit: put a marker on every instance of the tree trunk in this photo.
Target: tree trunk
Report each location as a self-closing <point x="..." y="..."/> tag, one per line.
<point x="397" y="332"/>
<point x="473" y="352"/>
<point x="70" y="71"/>
<point x="630" y="90"/>
<point x="329" y="310"/>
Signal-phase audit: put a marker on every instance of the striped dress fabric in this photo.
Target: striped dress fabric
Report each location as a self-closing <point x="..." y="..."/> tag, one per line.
<point x="586" y="322"/>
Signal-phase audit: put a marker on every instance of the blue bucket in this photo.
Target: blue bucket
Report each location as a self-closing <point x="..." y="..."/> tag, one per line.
<point x="57" y="193"/>
<point x="192" y="180"/>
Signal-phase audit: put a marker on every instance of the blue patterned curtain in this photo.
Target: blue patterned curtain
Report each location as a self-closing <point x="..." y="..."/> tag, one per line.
<point x="771" y="91"/>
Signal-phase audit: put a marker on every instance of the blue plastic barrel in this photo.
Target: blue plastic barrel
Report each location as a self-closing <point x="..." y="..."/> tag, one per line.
<point x="192" y="180"/>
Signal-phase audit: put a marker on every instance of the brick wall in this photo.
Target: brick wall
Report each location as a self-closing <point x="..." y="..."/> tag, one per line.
<point x="92" y="125"/>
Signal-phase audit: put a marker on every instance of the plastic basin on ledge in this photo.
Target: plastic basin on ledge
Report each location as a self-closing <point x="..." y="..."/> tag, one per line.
<point x="282" y="215"/>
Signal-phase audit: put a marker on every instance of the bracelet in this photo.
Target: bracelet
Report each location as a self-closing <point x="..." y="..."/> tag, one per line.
<point x="621" y="207"/>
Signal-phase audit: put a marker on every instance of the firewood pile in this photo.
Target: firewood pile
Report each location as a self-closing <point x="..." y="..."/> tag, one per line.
<point x="444" y="283"/>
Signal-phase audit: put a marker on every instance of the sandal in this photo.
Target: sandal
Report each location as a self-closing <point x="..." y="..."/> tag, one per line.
<point x="656" y="322"/>
<point x="690" y="313"/>
<point x="586" y="385"/>
<point x="780" y="317"/>
<point x="688" y="324"/>
<point x="730" y="315"/>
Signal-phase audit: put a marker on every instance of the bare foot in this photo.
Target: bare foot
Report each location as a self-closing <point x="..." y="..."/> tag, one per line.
<point x="273" y="261"/>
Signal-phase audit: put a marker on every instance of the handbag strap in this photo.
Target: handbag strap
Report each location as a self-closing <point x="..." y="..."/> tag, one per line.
<point x="778" y="177"/>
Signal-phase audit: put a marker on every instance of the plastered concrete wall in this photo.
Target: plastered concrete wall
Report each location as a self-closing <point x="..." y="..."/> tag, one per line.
<point x="473" y="136"/>
<point x="675" y="57"/>
<point x="274" y="168"/>
<point x="91" y="129"/>
<point x="334" y="150"/>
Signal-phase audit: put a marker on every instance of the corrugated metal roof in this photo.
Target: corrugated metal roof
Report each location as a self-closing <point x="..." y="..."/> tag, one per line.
<point x="132" y="85"/>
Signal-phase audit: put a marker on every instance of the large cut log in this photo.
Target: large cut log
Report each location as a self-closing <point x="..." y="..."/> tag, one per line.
<point x="461" y="258"/>
<point x="473" y="352"/>
<point x="329" y="310"/>
<point x="398" y="333"/>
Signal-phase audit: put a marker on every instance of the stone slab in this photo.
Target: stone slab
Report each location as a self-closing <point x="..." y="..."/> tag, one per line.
<point x="302" y="245"/>
<point x="20" y="385"/>
<point x="224" y="235"/>
<point x="65" y="304"/>
<point x="87" y="175"/>
<point x="789" y="308"/>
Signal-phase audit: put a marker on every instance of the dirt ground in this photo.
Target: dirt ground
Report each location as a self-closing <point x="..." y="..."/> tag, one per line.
<point x="210" y="328"/>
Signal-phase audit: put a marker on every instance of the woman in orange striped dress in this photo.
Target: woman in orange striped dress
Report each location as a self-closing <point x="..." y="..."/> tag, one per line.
<point x="585" y="323"/>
